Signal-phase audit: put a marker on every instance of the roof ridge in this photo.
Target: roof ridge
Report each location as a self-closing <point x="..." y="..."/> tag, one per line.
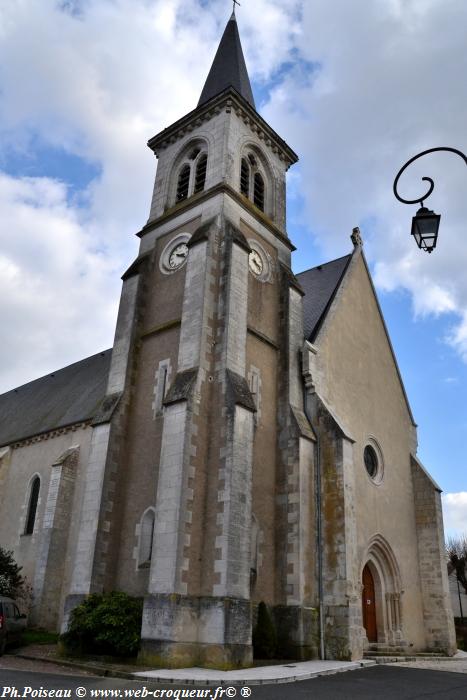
<point x="315" y="267"/>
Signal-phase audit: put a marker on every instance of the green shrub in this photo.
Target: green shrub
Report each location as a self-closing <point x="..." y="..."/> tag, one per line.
<point x="105" y="624"/>
<point x="264" y="634"/>
<point x="11" y="581"/>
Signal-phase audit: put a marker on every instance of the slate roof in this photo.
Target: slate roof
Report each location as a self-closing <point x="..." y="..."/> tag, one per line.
<point x="228" y="68"/>
<point x="320" y="285"/>
<point x="70" y="395"/>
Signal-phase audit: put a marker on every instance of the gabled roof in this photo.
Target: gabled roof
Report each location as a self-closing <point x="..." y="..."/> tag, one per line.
<point x="228" y="68"/>
<point x="320" y="285"/>
<point x="68" y="396"/>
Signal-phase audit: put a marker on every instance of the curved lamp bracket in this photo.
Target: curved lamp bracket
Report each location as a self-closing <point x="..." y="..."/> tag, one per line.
<point x="427" y="179"/>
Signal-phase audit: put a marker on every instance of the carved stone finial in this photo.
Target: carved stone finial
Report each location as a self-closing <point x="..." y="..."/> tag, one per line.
<point x="356" y="238"/>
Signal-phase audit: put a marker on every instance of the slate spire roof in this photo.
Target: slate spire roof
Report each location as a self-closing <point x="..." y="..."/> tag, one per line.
<point x="228" y="68"/>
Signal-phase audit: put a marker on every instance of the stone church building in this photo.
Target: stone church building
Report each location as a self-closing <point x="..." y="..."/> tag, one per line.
<point x="248" y="437"/>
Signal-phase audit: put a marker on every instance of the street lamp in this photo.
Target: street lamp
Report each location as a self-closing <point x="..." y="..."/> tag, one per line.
<point x="425" y="224"/>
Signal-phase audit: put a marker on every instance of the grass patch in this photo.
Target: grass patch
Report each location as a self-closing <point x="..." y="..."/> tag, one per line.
<point x="39" y="637"/>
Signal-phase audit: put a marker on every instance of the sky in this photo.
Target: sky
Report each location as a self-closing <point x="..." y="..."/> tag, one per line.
<point x="356" y="88"/>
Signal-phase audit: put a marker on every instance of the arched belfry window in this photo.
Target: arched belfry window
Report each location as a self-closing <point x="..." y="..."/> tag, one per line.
<point x="183" y="183"/>
<point x="200" y="177"/>
<point x="192" y="174"/>
<point x="258" y="191"/>
<point x="252" y="181"/>
<point x="32" y="505"/>
<point x="245" y="178"/>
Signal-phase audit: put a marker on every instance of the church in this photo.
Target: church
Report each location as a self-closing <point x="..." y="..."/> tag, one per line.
<point x="247" y="438"/>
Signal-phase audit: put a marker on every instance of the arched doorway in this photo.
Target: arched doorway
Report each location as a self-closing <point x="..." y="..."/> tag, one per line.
<point x="381" y="594"/>
<point x="369" y="605"/>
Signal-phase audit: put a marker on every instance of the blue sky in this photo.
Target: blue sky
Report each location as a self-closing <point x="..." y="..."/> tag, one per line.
<point x="350" y="85"/>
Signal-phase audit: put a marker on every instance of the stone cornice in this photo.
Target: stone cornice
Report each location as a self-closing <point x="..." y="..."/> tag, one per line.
<point x="227" y="101"/>
<point x="220" y="188"/>
<point x="50" y="434"/>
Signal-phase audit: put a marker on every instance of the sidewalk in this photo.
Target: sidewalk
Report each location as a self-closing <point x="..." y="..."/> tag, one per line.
<point x="280" y="673"/>
<point x="286" y="673"/>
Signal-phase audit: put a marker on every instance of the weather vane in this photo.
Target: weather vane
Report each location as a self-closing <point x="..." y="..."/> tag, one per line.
<point x="235" y="2"/>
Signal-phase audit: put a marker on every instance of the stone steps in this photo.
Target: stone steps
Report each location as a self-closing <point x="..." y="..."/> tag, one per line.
<point x="395" y="654"/>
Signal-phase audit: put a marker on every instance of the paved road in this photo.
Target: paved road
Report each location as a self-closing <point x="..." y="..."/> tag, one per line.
<point x="376" y="683"/>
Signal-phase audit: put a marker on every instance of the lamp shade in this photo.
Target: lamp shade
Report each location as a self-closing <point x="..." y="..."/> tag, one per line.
<point x="425" y="226"/>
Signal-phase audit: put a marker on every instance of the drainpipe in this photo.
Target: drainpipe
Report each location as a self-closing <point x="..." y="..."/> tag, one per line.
<point x="319" y="531"/>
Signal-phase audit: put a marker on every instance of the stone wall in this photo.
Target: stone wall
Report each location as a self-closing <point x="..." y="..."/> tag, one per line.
<point x="437" y="611"/>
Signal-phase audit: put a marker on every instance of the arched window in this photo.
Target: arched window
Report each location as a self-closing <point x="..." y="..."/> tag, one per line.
<point x="146" y="536"/>
<point x="200" y="177"/>
<point x="183" y="183"/>
<point x="32" y="506"/>
<point x="245" y="178"/>
<point x="258" y="192"/>
<point x="252" y="182"/>
<point x="192" y="173"/>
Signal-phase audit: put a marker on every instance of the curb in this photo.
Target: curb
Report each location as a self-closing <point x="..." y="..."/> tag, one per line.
<point x="411" y="659"/>
<point x="105" y="672"/>
<point x="355" y="666"/>
<point x="101" y="671"/>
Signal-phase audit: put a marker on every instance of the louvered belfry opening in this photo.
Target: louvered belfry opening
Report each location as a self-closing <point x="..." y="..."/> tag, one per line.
<point x="200" y="177"/>
<point x="245" y="178"/>
<point x="258" y="194"/>
<point x="183" y="183"/>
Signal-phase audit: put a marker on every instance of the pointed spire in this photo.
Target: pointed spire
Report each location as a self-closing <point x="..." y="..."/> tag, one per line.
<point x="228" y="68"/>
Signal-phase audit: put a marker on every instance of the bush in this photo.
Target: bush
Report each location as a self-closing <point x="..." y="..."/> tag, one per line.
<point x="264" y="634"/>
<point x="11" y="581"/>
<point x="105" y="624"/>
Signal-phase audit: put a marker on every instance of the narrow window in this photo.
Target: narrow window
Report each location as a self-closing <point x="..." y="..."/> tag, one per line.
<point x="163" y="380"/>
<point x="200" y="177"/>
<point x="146" y="538"/>
<point x="183" y="183"/>
<point x="32" y="509"/>
<point x="258" y="194"/>
<point x="162" y="377"/>
<point x="245" y="178"/>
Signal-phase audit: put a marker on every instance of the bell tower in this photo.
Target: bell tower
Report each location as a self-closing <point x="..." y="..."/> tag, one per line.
<point x="208" y="446"/>
<point x="220" y="184"/>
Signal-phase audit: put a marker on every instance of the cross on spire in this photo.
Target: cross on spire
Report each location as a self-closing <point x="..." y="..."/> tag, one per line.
<point x="235" y="2"/>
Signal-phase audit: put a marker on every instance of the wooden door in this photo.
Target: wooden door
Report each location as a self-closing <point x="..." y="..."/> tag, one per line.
<point x="369" y="605"/>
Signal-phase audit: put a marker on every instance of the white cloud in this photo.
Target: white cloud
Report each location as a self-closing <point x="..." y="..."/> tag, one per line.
<point x="458" y="337"/>
<point x="95" y="79"/>
<point x="356" y="92"/>
<point x="57" y="294"/>
<point x="455" y="513"/>
<point x="385" y="86"/>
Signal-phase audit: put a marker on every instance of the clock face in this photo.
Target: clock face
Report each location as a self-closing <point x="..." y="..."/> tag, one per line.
<point x="256" y="263"/>
<point x="178" y="256"/>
